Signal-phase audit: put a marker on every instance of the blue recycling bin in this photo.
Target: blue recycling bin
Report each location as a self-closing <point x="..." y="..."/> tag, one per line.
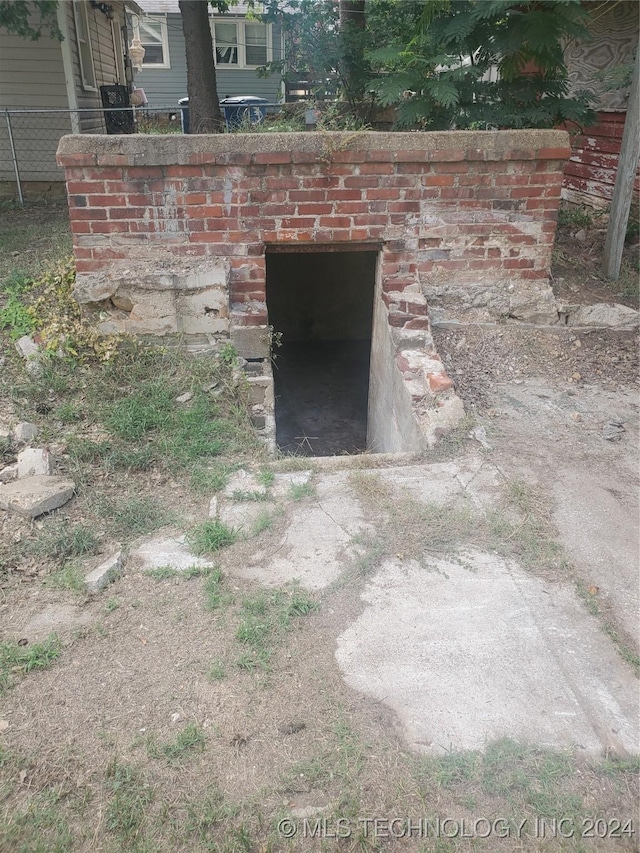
<point x="238" y="109"/>
<point x="243" y="108"/>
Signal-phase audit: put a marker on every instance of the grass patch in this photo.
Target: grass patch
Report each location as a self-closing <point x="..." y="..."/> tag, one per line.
<point x="60" y="540"/>
<point x="217" y="671"/>
<point x="209" y="480"/>
<point x="38" y="827"/>
<point x="16" y="661"/>
<point x="210" y="536"/>
<point x="300" y="491"/>
<point x="529" y="779"/>
<point x="69" y="576"/>
<point x="127" y="517"/>
<point x="190" y="739"/>
<point x="410" y="529"/>
<point x="213" y="595"/>
<point x="130" y="797"/>
<point x="265" y="618"/>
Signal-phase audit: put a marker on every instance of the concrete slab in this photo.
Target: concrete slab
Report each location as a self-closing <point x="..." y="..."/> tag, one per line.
<point x="464" y="655"/>
<point x="317" y="544"/>
<point x="34" y="496"/>
<point x="597" y="517"/>
<point x="172" y="551"/>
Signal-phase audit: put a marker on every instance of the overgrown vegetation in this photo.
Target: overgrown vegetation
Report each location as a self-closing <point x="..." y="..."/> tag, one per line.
<point x="17" y="659"/>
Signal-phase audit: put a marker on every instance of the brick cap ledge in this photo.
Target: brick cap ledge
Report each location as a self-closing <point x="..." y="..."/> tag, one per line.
<point x="312" y="146"/>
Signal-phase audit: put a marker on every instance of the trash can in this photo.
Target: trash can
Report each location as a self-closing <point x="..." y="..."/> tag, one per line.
<point x="243" y="108"/>
<point x="239" y="109"/>
<point x="183" y="103"/>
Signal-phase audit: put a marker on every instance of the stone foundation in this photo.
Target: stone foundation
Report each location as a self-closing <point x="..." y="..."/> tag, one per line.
<point x="171" y="234"/>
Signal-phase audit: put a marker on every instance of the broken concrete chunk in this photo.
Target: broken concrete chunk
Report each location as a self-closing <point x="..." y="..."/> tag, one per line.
<point x="5" y="435"/>
<point x="34" y="496"/>
<point x="171" y="551"/>
<point x="27" y="347"/>
<point x="9" y="473"/>
<point x="34" y="462"/>
<point x="184" y="398"/>
<point x="603" y="314"/>
<point x="25" y="432"/>
<point x="104" y="574"/>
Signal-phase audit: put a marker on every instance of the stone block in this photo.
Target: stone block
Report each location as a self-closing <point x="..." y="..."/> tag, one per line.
<point x="34" y="496"/>
<point x="25" y="432"/>
<point x="203" y="311"/>
<point x="251" y="341"/>
<point x="104" y="574"/>
<point x="34" y="462"/>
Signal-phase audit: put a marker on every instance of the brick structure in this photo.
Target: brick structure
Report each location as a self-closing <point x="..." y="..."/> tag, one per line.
<point x="171" y="234"/>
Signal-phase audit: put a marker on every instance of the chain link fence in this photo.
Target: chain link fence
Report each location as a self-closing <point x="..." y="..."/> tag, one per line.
<point x="29" y="140"/>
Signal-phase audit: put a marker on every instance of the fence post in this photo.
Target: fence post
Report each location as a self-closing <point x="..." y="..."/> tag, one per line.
<point x="14" y="157"/>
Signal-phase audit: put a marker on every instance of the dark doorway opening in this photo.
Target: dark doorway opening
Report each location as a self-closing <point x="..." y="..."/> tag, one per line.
<point x="320" y="306"/>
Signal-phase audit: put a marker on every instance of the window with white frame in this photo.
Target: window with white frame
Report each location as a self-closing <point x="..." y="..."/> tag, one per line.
<point x="152" y="32"/>
<point x="241" y="44"/>
<point x="83" y="38"/>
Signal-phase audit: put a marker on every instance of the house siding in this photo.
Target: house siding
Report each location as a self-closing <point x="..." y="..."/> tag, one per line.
<point x="32" y="77"/>
<point x="165" y="86"/>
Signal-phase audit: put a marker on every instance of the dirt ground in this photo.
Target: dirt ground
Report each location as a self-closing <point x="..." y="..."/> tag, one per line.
<point x="91" y="755"/>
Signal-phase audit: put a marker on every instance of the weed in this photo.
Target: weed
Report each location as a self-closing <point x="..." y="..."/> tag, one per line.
<point x="59" y="540"/>
<point x="189" y="739"/>
<point x="263" y="522"/>
<point x="264" y="618"/>
<point x="266" y="478"/>
<point x="247" y="496"/>
<point x="130" y="799"/>
<point x="68" y="413"/>
<point x="38" y="827"/>
<point x="208" y="480"/>
<point x="69" y="577"/>
<point x="16" y="316"/>
<point x="162" y="573"/>
<point x="299" y="491"/>
<point x="213" y="590"/>
<point x="228" y="354"/>
<point x="217" y="670"/>
<point x="210" y="536"/>
<point x="574" y="217"/>
<point x="111" y="605"/>
<point x="16" y="661"/>
<point x="127" y="516"/>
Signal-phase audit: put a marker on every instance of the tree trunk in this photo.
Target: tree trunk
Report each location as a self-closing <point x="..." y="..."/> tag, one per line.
<point x="352" y="33"/>
<point x="204" y="106"/>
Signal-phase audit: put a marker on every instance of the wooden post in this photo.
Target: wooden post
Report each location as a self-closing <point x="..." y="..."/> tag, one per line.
<point x="625" y="176"/>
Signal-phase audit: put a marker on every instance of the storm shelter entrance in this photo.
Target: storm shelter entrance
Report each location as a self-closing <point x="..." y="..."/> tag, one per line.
<point x="320" y="305"/>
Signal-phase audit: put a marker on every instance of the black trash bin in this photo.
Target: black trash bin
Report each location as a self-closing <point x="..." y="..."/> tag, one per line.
<point x="243" y="108"/>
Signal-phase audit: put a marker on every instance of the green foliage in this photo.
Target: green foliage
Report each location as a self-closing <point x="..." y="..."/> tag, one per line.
<point x="15" y="316"/>
<point x="16" y="660"/>
<point x="210" y="536"/>
<point x="30" y="19"/>
<point x="439" y="77"/>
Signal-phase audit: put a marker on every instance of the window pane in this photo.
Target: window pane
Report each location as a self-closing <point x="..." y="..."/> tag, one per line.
<point x="256" y="44"/>
<point x="150" y="31"/>
<point x="226" y="44"/>
<point x="153" y="54"/>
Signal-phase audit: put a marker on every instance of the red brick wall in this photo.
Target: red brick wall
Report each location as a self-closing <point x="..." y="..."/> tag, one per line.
<point x="467" y="206"/>
<point x="590" y="173"/>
